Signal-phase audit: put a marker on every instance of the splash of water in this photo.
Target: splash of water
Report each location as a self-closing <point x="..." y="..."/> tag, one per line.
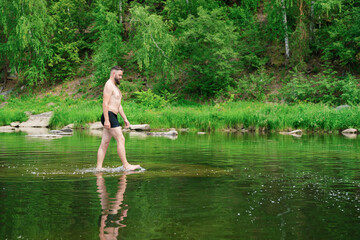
<point x="109" y="170"/>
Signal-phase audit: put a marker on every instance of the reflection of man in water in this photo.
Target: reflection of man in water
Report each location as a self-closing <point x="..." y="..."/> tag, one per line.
<point x="111" y="107"/>
<point x="110" y="221"/>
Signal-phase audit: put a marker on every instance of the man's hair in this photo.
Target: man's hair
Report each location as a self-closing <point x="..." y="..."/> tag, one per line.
<point x="116" y="68"/>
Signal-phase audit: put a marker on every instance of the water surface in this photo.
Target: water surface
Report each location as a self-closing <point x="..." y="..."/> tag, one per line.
<point x="215" y="186"/>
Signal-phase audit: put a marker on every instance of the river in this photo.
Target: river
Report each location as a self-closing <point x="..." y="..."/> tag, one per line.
<point x="213" y="186"/>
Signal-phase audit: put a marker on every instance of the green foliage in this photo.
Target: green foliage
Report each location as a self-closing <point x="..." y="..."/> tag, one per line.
<point x="131" y="86"/>
<point x="169" y="97"/>
<point x="207" y="51"/>
<point x="67" y="39"/>
<point x="340" y="41"/>
<point x="250" y="46"/>
<point x="178" y="10"/>
<point x="324" y="88"/>
<point x="299" y="43"/>
<point x="26" y="29"/>
<point x="150" y="99"/>
<point x="151" y="42"/>
<point x="109" y="47"/>
<point x="254" y="87"/>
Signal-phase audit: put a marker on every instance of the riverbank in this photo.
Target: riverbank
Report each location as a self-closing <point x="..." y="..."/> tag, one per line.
<point x="251" y="116"/>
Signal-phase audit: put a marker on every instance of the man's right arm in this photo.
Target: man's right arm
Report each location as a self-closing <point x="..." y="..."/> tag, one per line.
<point x="106" y="101"/>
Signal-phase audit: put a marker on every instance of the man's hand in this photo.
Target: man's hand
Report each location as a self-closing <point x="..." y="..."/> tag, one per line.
<point x="127" y="123"/>
<point x="107" y="124"/>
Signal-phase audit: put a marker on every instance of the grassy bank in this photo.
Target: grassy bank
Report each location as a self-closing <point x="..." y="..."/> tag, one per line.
<point x="234" y="115"/>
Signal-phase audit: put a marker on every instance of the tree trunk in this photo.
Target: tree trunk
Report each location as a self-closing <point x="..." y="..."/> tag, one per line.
<point x="120" y="8"/>
<point x="311" y="29"/>
<point x="286" y="36"/>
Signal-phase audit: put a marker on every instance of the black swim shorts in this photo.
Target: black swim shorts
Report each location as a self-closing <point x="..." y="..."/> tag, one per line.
<point x="114" y="122"/>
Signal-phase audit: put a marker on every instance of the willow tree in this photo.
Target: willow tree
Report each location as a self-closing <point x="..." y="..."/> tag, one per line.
<point x="25" y="32"/>
<point x="151" y="43"/>
<point x="109" y="48"/>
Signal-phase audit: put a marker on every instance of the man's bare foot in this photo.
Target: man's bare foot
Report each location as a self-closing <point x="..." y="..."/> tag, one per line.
<point x="99" y="169"/>
<point x="130" y="167"/>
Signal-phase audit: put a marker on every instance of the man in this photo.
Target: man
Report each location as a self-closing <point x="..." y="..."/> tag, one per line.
<point x="111" y="107"/>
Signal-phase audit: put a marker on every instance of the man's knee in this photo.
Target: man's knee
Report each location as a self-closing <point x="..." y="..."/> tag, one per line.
<point x="105" y="143"/>
<point x="120" y="139"/>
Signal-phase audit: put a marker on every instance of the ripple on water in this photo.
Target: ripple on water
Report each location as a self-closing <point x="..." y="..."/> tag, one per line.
<point x="108" y="170"/>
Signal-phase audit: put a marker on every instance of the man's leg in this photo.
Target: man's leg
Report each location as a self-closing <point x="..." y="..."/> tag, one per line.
<point x="120" y="140"/>
<point x="106" y="137"/>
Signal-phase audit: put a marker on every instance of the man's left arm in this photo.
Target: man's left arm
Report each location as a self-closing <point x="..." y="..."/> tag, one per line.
<point x="122" y="114"/>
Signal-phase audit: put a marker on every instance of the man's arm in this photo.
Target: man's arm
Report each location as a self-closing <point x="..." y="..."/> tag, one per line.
<point x="106" y="101"/>
<point x="122" y="114"/>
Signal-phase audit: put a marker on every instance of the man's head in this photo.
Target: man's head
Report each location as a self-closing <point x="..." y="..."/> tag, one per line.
<point x="116" y="73"/>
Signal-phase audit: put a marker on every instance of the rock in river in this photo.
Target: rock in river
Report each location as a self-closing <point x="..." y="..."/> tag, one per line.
<point x="350" y="130"/>
<point x="40" y="120"/>
<point x="140" y="127"/>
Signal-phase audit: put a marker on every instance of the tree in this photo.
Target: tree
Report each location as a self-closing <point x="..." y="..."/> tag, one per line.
<point x="207" y="51"/>
<point x="178" y="10"/>
<point x="109" y="47"/>
<point x="26" y="29"/>
<point x="340" y="40"/>
<point x="68" y="37"/>
<point x="151" y="42"/>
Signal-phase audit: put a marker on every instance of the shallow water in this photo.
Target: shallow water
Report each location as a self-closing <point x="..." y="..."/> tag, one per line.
<point x="215" y="186"/>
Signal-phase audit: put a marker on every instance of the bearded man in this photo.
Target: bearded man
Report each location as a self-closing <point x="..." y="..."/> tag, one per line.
<point x="111" y="107"/>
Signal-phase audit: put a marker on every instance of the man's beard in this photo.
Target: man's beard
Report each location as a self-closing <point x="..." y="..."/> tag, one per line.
<point x="117" y="80"/>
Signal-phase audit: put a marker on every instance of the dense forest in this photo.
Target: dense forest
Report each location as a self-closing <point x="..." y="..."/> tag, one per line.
<point x="274" y="50"/>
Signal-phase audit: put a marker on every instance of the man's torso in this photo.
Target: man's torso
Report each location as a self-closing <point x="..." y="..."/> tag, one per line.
<point x="115" y="98"/>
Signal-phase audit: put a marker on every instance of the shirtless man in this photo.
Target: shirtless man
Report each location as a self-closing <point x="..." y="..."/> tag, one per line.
<point x="111" y="107"/>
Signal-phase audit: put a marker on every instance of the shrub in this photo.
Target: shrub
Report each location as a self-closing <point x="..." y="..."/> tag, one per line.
<point x="150" y="99"/>
<point x="323" y="88"/>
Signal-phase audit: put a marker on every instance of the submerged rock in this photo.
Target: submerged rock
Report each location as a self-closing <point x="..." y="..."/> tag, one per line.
<point x="33" y="131"/>
<point x="7" y="129"/>
<point x="169" y="133"/>
<point x="39" y="121"/>
<point x="140" y="127"/>
<point x="45" y="136"/>
<point x="61" y="132"/>
<point x="295" y="133"/>
<point x="350" y="130"/>
<point x="68" y="130"/>
<point x="350" y="135"/>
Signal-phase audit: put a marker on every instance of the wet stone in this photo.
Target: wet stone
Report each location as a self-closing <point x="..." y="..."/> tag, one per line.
<point x="7" y="129"/>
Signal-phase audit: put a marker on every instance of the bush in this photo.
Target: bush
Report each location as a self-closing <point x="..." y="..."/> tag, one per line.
<point x="150" y="99"/>
<point x="207" y="48"/>
<point x="323" y="88"/>
<point x="254" y="86"/>
<point x="2" y="98"/>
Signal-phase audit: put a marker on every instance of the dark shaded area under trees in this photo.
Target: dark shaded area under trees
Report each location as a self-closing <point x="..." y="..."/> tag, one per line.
<point x="275" y="50"/>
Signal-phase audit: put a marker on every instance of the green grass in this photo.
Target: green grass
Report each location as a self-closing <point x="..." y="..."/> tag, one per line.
<point x="236" y="115"/>
<point x="251" y="115"/>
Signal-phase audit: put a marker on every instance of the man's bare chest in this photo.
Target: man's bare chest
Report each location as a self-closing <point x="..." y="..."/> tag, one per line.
<point x="116" y="94"/>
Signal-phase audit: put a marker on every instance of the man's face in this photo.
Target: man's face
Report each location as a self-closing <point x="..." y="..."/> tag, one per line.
<point x="118" y="76"/>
